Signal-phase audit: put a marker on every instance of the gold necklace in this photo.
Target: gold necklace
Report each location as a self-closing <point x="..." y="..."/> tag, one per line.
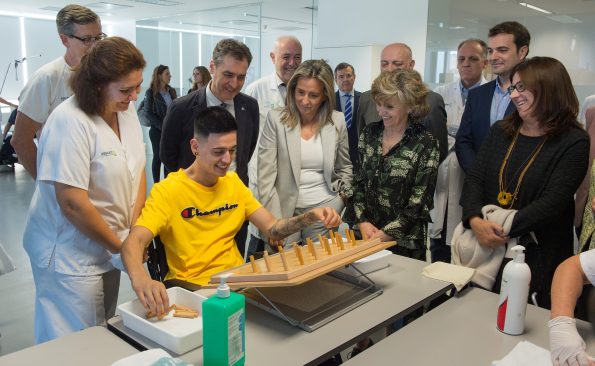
<point x="506" y="198"/>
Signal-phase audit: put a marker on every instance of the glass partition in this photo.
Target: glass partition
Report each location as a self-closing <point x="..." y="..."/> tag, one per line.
<point x="187" y="40"/>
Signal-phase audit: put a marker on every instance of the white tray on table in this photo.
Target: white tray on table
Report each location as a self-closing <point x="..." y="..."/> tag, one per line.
<point x="179" y="335"/>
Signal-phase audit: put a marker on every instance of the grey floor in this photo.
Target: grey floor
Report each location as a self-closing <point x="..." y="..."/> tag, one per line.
<point x="17" y="290"/>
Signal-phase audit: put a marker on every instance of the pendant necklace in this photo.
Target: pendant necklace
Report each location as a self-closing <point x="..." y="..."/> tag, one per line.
<point x="505" y="198"/>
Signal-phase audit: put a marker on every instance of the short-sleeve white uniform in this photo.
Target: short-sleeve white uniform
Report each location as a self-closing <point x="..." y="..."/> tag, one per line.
<point x="588" y="264"/>
<point x="83" y="152"/>
<point x="47" y="88"/>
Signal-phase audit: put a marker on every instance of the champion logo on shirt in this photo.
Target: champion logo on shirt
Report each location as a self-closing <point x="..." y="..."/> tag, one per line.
<point x="109" y="153"/>
<point x="190" y="212"/>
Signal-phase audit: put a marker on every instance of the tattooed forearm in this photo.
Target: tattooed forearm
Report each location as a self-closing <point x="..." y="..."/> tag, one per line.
<point x="285" y="227"/>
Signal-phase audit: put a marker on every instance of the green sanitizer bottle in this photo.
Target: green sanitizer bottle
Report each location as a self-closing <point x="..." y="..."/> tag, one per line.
<point x="224" y="319"/>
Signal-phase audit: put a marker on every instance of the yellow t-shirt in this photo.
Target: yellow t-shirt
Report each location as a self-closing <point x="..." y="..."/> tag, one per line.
<point x="197" y="224"/>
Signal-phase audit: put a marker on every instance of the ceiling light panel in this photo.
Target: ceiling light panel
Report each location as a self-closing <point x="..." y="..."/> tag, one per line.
<point x="102" y="5"/>
<point x="158" y="2"/>
<point x="537" y="8"/>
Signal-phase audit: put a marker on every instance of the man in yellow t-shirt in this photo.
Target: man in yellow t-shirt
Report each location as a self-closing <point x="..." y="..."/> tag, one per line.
<point x="201" y="221"/>
<point x="197" y="212"/>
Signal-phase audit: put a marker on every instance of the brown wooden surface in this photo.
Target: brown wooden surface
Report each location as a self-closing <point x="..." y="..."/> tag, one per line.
<point x="245" y="277"/>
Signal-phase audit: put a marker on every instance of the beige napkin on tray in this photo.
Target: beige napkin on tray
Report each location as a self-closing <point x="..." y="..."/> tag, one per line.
<point x="459" y="276"/>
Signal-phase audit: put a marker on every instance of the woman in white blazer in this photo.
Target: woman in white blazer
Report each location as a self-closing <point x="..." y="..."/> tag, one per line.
<point x="303" y="153"/>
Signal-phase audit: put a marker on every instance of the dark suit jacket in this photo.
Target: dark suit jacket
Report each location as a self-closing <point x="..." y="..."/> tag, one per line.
<point x="435" y="121"/>
<point x="178" y="129"/>
<point x="352" y="130"/>
<point x="475" y="123"/>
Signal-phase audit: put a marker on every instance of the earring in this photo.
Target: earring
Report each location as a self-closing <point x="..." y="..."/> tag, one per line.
<point x="196" y="153"/>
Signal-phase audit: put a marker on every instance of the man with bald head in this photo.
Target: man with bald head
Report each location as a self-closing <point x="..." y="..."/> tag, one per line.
<point x="270" y="92"/>
<point x="398" y="56"/>
<point x="471" y="62"/>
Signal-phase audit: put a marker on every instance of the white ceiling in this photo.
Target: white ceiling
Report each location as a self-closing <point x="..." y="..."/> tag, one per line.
<point x="297" y="13"/>
<point x="289" y="10"/>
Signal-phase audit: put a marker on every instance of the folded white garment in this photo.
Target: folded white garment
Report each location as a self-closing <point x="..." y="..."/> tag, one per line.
<point x="459" y="276"/>
<point x="526" y="353"/>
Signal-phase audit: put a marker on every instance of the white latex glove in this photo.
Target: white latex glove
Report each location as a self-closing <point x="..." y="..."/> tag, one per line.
<point x="566" y="345"/>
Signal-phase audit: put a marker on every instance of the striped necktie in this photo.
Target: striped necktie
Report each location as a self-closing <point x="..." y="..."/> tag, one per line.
<point x="348" y="110"/>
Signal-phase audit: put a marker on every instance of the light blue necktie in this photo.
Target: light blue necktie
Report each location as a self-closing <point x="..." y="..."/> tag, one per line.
<point x="348" y="110"/>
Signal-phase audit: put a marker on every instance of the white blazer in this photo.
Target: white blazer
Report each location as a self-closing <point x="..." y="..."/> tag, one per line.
<point x="279" y="162"/>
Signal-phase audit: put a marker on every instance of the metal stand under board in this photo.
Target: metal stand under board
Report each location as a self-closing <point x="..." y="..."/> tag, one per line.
<point x="317" y="302"/>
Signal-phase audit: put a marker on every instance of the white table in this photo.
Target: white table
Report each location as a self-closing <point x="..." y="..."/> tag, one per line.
<point x="460" y="332"/>
<point x="89" y="347"/>
<point x="271" y="341"/>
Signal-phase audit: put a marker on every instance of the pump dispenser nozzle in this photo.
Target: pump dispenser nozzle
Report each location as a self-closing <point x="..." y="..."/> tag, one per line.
<point x="519" y="253"/>
<point x="223" y="289"/>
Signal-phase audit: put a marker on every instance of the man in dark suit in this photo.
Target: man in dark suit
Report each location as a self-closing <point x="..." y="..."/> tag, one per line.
<point x="347" y="102"/>
<point x="398" y="56"/>
<point x="228" y="67"/>
<point x="508" y="45"/>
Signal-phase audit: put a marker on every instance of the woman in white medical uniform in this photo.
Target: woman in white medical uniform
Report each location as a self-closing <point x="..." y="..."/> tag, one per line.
<point x="90" y="190"/>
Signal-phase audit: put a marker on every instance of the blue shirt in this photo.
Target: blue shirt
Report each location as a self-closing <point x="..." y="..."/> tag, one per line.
<point x="500" y="102"/>
<point x="465" y="91"/>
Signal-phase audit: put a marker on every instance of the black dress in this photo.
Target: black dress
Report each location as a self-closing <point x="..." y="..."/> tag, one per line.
<point x="545" y="201"/>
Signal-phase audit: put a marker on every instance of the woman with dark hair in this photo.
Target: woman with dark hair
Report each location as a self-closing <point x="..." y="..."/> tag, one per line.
<point x="157" y="98"/>
<point x="394" y="187"/>
<point x="532" y="162"/>
<point x="90" y="190"/>
<point x="303" y="153"/>
<point x="200" y="77"/>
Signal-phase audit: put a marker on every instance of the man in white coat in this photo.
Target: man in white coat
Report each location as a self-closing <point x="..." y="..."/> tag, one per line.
<point x="79" y="28"/>
<point x="471" y="61"/>
<point x="270" y="92"/>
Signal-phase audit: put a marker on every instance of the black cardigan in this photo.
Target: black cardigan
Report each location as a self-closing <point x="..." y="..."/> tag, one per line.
<point x="545" y="202"/>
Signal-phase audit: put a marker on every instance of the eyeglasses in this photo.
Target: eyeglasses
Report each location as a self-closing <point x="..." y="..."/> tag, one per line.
<point x="89" y="40"/>
<point x="519" y="86"/>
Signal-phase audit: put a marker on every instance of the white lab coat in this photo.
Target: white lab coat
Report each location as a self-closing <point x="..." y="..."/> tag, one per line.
<point x="266" y="91"/>
<point x="76" y="285"/>
<point x="449" y="183"/>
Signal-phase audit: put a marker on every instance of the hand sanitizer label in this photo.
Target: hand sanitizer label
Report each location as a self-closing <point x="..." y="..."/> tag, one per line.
<point x="235" y="337"/>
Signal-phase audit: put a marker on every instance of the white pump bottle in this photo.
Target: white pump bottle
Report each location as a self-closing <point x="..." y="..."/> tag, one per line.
<point x="514" y="293"/>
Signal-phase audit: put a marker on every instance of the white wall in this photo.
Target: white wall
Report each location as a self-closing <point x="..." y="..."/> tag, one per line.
<point x="268" y="39"/>
<point x="355" y="32"/>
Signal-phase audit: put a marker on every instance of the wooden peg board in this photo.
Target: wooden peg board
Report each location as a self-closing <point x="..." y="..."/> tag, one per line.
<point x="271" y="272"/>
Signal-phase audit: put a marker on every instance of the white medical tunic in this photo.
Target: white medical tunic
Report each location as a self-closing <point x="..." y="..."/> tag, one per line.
<point x="83" y="152"/>
<point x="587" y="260"/>
<point x="47" y="88"/>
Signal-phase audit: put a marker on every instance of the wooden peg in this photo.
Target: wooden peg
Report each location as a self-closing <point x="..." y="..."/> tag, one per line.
<point x="254" y="266"/>
<point x="332" y="235"/>
<point x="327" y="246"/>
<point x="267" y="261"/>
<point x="298" y="253"/>
<point x="311" y="246"/>
<point x="339" y="240"/>
<point x="352" y="237"/>
<point x="283" y="259"/>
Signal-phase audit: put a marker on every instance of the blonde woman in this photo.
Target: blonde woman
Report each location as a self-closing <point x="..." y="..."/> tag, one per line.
<point x="303" y="153"/>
